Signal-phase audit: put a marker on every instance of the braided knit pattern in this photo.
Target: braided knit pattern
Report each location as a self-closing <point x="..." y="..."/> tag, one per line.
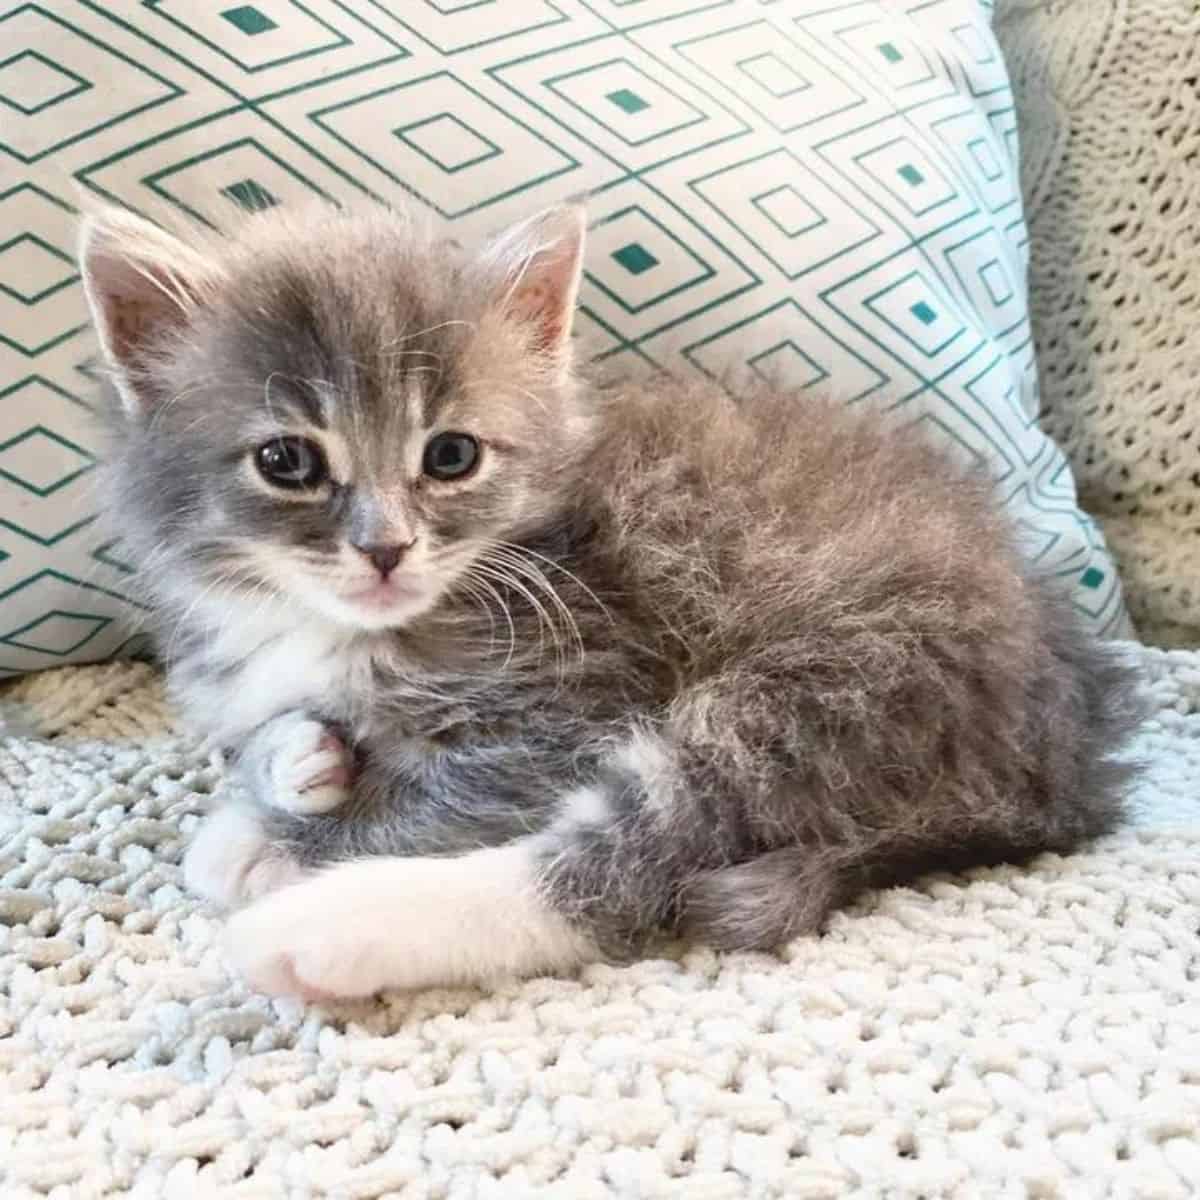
<point x="1110" y="148"/>
<point x="1012" y="1033"/>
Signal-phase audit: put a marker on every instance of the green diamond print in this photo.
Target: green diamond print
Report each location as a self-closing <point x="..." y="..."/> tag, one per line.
<point x="923" y="313"/>
<point x="249" y="195"/>
<point x="105" y="555"/>
<point x="1093" y="577"/>
<point x="627" y="101"/>
<point x="446" y="141"/>
<point x="635" y="258"/>
<point x="773" y="75"/>
<point x="249" y="20"/>
<point x="31" y="269"/>
<point x="37" y="81"/>
<point x="58" y="633"/>
<point x="47" y="462"/>
<point x="787" y="210"/>
<point x="910" y="175"/>
<point x="890" y="52"/>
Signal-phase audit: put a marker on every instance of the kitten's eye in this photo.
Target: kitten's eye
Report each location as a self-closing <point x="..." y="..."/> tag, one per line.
<point x="450" y="455"/>
<point x="291" y="462"/>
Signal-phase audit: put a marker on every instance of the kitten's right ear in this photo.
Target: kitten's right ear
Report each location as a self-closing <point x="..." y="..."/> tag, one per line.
<point x="142" y="284"/>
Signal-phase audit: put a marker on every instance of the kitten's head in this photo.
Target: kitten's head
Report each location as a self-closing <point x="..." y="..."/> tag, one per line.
<point x="337" y="410"/>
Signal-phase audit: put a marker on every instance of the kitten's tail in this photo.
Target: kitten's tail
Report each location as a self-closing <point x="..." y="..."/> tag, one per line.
<point x="765" y="902"/>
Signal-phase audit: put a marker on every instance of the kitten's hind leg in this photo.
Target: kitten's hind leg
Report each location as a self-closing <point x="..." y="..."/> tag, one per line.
<point x="622" y="861"/>
<point x="298" y="764"/>
<point x="594" y="883"/>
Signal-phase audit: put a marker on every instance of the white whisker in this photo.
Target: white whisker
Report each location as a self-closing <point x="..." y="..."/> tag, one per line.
<point x="408" y="337"/>
<point x="528" y="572"/>
<point x="498" y="575"/>
<point x="557" y="566"/>
<point x="475" y="580"/>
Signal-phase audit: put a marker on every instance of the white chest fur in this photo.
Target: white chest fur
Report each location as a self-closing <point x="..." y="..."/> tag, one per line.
<point x="251" y="670"/>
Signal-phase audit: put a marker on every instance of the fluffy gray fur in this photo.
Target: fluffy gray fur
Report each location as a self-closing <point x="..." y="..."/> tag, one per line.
<point x="765" y="652"/>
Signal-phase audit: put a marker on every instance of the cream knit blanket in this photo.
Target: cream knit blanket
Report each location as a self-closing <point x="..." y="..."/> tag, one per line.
<point x="1016" y="1033"/>
<point x="1110" y="152"/>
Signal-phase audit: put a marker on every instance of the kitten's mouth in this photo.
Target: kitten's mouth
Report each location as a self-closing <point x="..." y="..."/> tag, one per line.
<point x="383" y="595"/>
<point x="382" y="604"/>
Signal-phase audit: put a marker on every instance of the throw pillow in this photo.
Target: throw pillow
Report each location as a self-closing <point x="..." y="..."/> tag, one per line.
<point x="819" y="191"/>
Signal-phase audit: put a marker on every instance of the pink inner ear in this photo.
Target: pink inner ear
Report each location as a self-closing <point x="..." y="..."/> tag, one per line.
<point x="137" y="303"/>
<point x="129" y="326"/>
<point x="546" y="279"/>
<point x="542" y="305"/>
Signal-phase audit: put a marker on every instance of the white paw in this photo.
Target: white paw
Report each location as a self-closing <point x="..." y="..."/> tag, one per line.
<point x="318" y="940"/>
<point x="310" y="765"/>
<point x="230" y="862"/>
<point x="362" y="927"/>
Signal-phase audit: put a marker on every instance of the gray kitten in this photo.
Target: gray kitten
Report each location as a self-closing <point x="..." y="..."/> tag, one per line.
<point x="520" y="672"/>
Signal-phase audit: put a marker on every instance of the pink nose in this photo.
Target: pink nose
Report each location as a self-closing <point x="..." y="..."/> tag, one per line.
<point x="384" y="558"/>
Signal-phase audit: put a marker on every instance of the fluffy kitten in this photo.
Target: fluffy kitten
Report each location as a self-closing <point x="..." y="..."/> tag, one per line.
<point x="519" y="672"/>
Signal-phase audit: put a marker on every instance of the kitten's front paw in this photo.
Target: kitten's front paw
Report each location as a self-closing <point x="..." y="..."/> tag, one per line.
<point x="231" y="862"/>
<point x="309" y="766"/>
<point x="320" y="941"/>
<point x="373" y="924"/>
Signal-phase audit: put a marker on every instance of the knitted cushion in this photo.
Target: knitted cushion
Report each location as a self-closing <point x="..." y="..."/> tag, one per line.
<point x="1116" y="295"/>
<point x="820" y="192"/>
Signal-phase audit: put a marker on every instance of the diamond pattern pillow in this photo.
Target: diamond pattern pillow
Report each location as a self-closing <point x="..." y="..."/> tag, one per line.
<point x="815" y="190"/>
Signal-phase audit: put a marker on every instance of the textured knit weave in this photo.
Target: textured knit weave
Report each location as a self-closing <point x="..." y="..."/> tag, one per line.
<point x="1110" y="139"/>
<point x="1021" y="1033"/>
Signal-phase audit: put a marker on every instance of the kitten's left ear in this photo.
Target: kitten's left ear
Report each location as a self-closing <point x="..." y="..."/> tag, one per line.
<point x="538" y="265"/>
<point x="142" y="284"/>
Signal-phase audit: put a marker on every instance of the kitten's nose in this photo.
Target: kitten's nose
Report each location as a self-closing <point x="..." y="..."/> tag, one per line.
<point x="384" y="557"/>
